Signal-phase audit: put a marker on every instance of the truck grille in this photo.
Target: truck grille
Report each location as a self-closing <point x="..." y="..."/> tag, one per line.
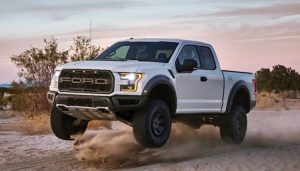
<point x="86" y="81"/>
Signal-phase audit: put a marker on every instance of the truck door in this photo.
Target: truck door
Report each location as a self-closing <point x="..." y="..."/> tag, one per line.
<point x="200" y="91"/>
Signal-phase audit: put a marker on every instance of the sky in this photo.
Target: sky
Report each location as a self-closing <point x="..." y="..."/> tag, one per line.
<point x="247" y="35"/>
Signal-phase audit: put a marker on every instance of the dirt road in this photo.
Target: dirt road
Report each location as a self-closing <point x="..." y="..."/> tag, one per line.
<point x="272" y="143"/>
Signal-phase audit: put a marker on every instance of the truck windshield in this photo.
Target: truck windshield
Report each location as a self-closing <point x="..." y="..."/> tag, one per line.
<point x="141" y="51"/>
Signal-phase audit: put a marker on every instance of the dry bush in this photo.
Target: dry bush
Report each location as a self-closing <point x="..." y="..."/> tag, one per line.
<point x="34" y="125"/>
<point x="98" y="124"/>
<point x="269" y="100"/>
<point x="289" y="94"/>
<point x="30" y="101"/>
<point x="282" y="100"/>
<point x="40" y="124"/>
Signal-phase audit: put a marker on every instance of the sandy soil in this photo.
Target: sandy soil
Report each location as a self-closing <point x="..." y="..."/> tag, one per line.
<point x="272" y="143"/>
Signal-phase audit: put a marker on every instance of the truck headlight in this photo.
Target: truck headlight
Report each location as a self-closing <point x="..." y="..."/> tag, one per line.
<point x="54" y="80"/>
<point x="132" y="78"/>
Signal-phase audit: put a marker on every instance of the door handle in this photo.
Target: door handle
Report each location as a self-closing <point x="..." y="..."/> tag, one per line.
<point x="203" y="78"/>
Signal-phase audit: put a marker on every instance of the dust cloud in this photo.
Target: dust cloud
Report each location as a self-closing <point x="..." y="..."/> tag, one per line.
<point x="118" y="148"/>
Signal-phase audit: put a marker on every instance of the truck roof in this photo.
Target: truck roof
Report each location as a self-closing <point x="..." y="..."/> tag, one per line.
<point x="164" y="40"/>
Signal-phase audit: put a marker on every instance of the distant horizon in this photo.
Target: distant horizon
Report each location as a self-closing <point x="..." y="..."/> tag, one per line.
<point x="247" y="36"/>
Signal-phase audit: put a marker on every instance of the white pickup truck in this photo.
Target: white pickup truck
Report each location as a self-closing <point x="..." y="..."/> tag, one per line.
<point x="147" y="84"/>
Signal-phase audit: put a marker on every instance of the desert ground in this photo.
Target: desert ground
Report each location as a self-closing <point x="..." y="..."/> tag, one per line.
<point x="272" y="143"/>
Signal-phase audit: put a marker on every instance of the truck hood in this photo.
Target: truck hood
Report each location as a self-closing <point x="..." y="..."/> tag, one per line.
<point x="114" y="66"/>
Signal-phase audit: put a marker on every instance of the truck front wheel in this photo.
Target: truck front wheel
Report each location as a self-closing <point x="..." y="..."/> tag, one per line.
<point x="152" y="124"/>
<point x="234" y="126"/>
<point x="63" y="125"/>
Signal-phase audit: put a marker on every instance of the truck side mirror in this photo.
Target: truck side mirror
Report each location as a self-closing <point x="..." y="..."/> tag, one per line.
<point x="188" y="65"/>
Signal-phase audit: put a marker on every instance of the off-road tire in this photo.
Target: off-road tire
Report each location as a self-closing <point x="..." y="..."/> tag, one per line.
<point x="233" y="126"/>
<point x="152" y="124"/>
<point x="63" y="125"/>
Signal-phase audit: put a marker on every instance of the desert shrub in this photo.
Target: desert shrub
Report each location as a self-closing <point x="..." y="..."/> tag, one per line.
<point x="30" y="101"/>
<point x="33" y="125"/>
<point x="263" y="79"/>
<point x="36" y="68"/>
<point x="279" y="79"/>
<point x="290" y="94"/>
<point x="83" y="49"/>
<point x="37" y="64"/>
<point x="1" y="100"/>
<point x="283" y="100"/>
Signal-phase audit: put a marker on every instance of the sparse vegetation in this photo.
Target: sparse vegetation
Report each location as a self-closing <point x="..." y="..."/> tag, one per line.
<point x="36" y="68"/>
<point x="83" y="49"/>
<point x="38" y="124"/>
<point x="30" y="101"/>
<point x="283" y="100"/>
<point x="3" y="99"/>
<point x="279" y="79"/>
<point x="37" y="64"/>
<point x="276" y="86"/>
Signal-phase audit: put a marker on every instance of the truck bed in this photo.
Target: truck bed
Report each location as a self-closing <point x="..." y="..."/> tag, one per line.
<point x="231" y="78"/>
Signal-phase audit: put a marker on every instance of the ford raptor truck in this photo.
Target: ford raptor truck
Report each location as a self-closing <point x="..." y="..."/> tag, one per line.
<point x="148" y="84"/>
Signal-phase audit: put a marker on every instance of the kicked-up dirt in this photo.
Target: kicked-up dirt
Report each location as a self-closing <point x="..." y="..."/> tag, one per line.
<point x="272" y="143"/>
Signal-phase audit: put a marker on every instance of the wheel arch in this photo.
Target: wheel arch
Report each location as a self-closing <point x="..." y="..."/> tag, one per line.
<point x="161" y="87"/>
<point x="239" y="95"/>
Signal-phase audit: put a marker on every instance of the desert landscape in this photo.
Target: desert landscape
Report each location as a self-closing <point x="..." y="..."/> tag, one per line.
<point x="242" y="42"/>
<point x="272" y="143"/>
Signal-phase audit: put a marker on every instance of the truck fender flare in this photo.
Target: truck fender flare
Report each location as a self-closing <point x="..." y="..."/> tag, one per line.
<point x="235" y="88"/>
<point x="157" y="80"/>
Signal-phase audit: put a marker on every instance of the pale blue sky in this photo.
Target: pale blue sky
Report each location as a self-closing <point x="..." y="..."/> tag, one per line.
<point x="247" y="35"/>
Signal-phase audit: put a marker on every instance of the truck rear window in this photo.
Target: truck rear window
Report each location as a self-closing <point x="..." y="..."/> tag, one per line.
<point x="206" y="58"/>
<point x="141" y="51"/>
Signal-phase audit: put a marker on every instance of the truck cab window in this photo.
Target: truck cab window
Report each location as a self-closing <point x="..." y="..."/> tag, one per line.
<point x="188" y="52"/>
<point x="206" y="58"/>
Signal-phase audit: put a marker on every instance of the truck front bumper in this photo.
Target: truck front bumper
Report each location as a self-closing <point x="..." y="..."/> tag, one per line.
<point x="99" y="107"/>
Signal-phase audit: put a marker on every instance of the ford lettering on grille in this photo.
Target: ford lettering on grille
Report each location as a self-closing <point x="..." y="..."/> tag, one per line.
<point x="94" y="81"/>
<point x="83" y="80"/>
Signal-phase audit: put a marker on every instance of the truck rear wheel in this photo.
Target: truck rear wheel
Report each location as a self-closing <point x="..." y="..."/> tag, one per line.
<point x="152" y="124"/>
<point x="234" y="126"/>
<point x="63" y="125"/>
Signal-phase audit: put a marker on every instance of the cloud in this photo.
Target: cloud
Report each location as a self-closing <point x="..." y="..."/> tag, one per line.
<point x="56" y="5"/>
<point x="58" y="10"/>
<point x="238" y="31"/>
<point x="278" y="32"/>
<point x="271" y="10"/>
